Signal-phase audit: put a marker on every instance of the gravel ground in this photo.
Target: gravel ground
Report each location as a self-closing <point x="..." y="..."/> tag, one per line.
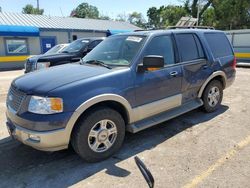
<point x="193" y="150"/>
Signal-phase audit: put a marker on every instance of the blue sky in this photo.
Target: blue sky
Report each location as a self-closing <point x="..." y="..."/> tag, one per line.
<point x="105" y="7"/>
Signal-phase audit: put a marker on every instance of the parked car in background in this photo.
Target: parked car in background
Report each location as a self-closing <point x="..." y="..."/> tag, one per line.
<point x="54" y="50"/>
<point x="70" y="54"/>
<point x="129" y="82"/>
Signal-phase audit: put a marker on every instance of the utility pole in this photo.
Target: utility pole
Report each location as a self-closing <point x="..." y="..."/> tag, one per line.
<point x="198" y="12"/>
<point x="37" y="4"/>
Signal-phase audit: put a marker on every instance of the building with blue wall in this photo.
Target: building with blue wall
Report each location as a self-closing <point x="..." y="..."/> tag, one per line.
<point x="22" y="35"/>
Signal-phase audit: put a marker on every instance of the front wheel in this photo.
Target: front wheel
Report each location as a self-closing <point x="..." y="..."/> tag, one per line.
<point x="212" y="96"/>
<point x="99" y="134"/>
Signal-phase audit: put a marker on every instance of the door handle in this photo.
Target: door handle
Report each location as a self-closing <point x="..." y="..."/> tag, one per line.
<point x="173" y="73"/>
<point x="205" y="66"/>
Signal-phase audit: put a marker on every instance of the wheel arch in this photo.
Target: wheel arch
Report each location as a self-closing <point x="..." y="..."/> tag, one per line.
<point x="114" y="101"/>
<point x="218" y="75"/>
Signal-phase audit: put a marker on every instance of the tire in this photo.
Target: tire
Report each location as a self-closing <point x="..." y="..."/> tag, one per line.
<point x="212" y="96"/>
<point x="107" y="130"/>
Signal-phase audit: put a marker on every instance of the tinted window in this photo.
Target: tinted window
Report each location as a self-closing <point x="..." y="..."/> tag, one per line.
<point x="162" y="46"/>
<point x="76" y="46"/>
<point x="200" y="49"/>
<point x="94" y="44"/>
<point x="219" y="44"/>
<point x="187" y="47"/>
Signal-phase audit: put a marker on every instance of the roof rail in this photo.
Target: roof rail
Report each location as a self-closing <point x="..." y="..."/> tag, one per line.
<point x="190" y="27"/>
<point x="150" y="29"/>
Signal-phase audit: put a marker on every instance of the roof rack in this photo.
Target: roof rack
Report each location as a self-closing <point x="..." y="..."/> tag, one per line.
<point x="190" y="27"/>
<point x="150" y="29"/>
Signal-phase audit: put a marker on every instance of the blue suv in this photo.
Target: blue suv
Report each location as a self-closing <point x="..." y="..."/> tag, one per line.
<point x="129" y="82"/>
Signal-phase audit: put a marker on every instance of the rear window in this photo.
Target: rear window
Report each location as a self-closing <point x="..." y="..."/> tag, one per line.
<point x="219" y="44"/>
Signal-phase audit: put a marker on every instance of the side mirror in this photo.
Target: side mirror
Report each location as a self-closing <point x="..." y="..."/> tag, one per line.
<point x="145" y="172"/>
<point x="151" y="63"/>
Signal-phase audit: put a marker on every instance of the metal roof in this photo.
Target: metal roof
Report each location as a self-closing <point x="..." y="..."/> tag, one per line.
<point x="53" y="22"/>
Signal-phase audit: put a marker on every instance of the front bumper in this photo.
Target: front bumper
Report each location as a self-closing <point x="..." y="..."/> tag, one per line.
<point x="52" y="138"/>
<point x="48" y="140"/>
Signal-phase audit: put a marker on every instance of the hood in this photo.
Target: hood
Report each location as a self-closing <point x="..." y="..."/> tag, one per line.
<point x="34" y="57"/>
<point x="58" y="56"/>
<point x="41" y="82"/>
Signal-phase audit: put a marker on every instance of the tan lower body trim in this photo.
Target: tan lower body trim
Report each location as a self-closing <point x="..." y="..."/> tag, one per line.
<point x="156" y="107"/>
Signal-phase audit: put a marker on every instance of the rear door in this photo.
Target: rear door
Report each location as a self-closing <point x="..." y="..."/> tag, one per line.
<point x="47" y="43"/>
<point x="194" y="64"/>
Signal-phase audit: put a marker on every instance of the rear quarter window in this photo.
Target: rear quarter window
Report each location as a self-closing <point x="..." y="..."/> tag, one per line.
<point x="189" y="47"/>
<point x="219" y="44"/>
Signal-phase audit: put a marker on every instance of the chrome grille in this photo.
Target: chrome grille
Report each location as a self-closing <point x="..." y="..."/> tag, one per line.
<point x="15" y="98"/>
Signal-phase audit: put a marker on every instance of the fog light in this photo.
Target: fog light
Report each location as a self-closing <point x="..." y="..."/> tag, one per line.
<point x="34" y="138"/>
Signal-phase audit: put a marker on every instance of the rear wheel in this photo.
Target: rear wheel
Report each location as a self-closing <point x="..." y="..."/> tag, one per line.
<point x="212" y="96"/>
<point x="99" y="134"/>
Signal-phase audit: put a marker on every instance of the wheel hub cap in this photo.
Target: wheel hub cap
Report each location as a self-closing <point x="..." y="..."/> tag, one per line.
<point x="213" y="96"/>
<point x="102" y="136"/>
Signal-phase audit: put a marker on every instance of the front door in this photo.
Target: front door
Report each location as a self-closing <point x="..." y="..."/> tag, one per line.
<point x="47" y="43"/>
<point x="159" y="90"/>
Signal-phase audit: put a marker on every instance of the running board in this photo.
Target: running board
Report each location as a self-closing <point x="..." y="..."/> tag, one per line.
<point x="149" y="122"/>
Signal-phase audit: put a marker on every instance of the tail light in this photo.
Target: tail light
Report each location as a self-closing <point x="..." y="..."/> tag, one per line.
<point x="234" y="63"/>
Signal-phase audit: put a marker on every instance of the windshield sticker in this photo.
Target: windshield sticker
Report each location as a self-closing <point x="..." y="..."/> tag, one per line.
<point x="134" y="39"/>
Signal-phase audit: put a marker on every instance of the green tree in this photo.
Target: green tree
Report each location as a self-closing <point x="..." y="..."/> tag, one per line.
<point x="137" y="19"/>
<point x="209" y="18"/>
<point x="104" y="17"/>
<point x="123" y="17"/>
<point x="172" y="14"/>
<point x="154" y="17"/>
<point x="232" y="14"/>
<point x="191" y="7"/>
<point x="85" y="10"/>
<point x="29" y="9"/>
<point x="165" y="16"/>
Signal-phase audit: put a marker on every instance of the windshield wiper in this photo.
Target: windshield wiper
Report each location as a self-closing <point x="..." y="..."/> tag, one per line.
<point x="98" y="62"/>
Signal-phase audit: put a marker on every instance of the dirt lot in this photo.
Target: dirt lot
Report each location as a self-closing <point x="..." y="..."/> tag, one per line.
<point x="193" y="150"/>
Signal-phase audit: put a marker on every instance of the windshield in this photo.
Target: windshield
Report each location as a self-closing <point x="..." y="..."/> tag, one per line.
<point x="76" y="46"/>
<point x="117" y="50"/>
<point x="55" y="49"/>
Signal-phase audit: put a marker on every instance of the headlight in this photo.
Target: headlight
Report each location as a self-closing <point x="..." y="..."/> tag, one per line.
<point x="45" y="105"/>
<point x="42" y="65"/>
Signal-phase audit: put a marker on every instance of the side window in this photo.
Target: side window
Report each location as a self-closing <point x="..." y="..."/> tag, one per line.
<point x="162" y="46"/>
<point x="93" y="44"/>
<point x="187" y="47"/>
<point x="219" y="44"/>
<point x="200" y="49"/>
